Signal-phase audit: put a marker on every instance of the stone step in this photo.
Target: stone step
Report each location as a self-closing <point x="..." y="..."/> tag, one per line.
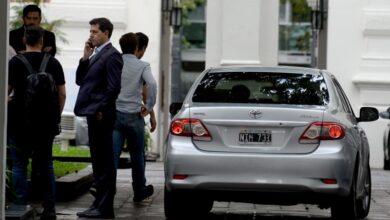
<point x="20" y="212"/>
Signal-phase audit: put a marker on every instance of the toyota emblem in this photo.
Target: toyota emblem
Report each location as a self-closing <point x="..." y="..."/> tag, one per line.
<point x="255" y="114"/>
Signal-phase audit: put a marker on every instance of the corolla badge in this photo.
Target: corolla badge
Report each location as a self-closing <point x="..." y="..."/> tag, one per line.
<point x="255" y="114"/>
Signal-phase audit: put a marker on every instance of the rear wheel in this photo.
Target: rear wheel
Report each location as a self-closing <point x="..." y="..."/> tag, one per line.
<point x="183" y="205"/>
<point x="346" y="207"/>
<point x="386" y="164"/>
<point x="363" y="205"/>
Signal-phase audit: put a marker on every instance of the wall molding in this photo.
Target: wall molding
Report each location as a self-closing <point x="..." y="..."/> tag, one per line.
<point x="376" y="22"/>
<point x="240" y="62"/>
<point x="371" y="81"/>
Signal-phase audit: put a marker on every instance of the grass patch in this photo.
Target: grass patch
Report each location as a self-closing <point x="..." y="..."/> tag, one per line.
<point x="63" y="168"/>
<point x="71" y="152"/>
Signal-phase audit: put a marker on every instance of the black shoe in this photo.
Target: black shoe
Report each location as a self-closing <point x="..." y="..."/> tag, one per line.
<point x="148" y="191"/>
<point x="92" y="190"/>
<point x="96" y="213"/>
<point x="48" y="214"/>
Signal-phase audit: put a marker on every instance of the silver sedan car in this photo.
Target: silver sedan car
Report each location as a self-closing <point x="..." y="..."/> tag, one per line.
<point x="267" y="135"/>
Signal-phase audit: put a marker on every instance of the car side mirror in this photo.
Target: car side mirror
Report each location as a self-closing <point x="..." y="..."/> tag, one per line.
<point x="368" y="114"/>
<point x="175" y="107"/>
<point x="385" y="114"/>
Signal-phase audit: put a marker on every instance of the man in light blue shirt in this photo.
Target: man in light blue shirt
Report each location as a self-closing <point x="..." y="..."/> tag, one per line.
<point x="131" y="111"/>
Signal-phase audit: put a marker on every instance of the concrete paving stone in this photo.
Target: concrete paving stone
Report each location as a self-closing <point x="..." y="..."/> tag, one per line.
<point x="156" y="210"/>
<point x="377" y="217"/>
<point x="126" y="217"/>
<point x="65" y="217"/>
<point x="293" y="214"/>
<point x="153" y="208"/>
<point x="146" y="217"/>
<point x="267" y="208"/>
<point x="237" y="206"/>
<point x="299" y="207"/>
<point x="220" y="204"/>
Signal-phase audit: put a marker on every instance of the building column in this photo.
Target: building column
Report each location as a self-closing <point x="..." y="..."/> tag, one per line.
<point x="4" y="12"/>
<point x="238" y="38"/>
<point x="165" y="83"/>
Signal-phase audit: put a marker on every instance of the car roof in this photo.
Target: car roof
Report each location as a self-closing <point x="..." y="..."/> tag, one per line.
<point x="276" y="69"/>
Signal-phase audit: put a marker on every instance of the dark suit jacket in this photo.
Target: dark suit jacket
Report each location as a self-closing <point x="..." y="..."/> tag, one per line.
<point x="99" y="81"/>
<point x="16" y="40"/>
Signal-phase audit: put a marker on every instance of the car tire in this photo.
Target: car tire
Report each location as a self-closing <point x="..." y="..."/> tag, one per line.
<point x="386" y="149"/>
<point x="386" y="165"/>
<point x="182" y="205"/>
<point x="363" y="205"/>
<point x="346" y="207"/>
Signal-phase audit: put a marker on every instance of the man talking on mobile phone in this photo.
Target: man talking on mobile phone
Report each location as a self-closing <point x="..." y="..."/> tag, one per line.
<point x="99" y="78"/>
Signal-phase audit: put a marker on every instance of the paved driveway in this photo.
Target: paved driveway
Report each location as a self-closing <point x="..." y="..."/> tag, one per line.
<point x="153" y="208"/>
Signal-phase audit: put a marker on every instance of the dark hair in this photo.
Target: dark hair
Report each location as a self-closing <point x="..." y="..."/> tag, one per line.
<point x="33" y="34"/>
<point x="128" y="43"/>
<point x="104" y="25"/>
<point x="31" y="8"/>
<point x="143" y="40"/>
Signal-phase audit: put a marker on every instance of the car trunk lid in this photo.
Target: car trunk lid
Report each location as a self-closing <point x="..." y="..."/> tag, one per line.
<point x="254" y="129"/>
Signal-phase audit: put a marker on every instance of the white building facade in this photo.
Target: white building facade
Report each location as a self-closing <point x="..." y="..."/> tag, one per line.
<point x="238" y="32"/>
<point x="357" y="48"/>
<point x="244" y="32"/>
<point x="358" y="53"/>
<point x="126" y="15"/>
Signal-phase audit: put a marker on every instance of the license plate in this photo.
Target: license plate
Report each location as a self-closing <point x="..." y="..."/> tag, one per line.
<point x="260" y="137"/>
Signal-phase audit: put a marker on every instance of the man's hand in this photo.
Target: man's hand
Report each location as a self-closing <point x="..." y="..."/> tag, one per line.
<point x="99" y="116"/>
<point x="88" y="50"/>
<point x="153" y="122"/>
<point x="144" y="112"/>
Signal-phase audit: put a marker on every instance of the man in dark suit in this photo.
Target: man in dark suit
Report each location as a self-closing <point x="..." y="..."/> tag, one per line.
<point x="99" y="78"/>
<point x="32" y="16"/>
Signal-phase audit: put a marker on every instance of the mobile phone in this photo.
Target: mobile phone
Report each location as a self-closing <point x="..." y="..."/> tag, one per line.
<point x="90" y="44"/>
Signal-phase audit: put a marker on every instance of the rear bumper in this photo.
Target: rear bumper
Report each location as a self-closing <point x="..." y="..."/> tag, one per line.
<point x="296" y="175"/>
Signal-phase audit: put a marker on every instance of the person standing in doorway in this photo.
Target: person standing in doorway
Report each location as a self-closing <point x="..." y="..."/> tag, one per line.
<point x="99" y="77"/>
<point x="32" y="16"/>
<point x="130" y="124"/>
<point x="35" y="134"/>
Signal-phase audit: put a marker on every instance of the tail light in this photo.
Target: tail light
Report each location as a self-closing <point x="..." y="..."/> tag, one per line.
<point x="329" y="181"/>
<point x="190" y="127"/>
<point x="180" y="177"/>
<point x="322" y="131"/>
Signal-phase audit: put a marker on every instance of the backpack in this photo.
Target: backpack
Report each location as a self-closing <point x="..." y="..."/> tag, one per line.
<point x="41" y="110"/>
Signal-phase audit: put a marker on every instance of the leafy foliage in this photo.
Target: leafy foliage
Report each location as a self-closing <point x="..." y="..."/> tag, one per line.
<point x="297" y="35"/>
<point x="188" y="6"/>
<point x="302" y="12"/>
<point x="53" y="26"/>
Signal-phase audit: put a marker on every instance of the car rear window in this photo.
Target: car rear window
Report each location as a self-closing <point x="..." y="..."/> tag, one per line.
<point x="262" y="87"/>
